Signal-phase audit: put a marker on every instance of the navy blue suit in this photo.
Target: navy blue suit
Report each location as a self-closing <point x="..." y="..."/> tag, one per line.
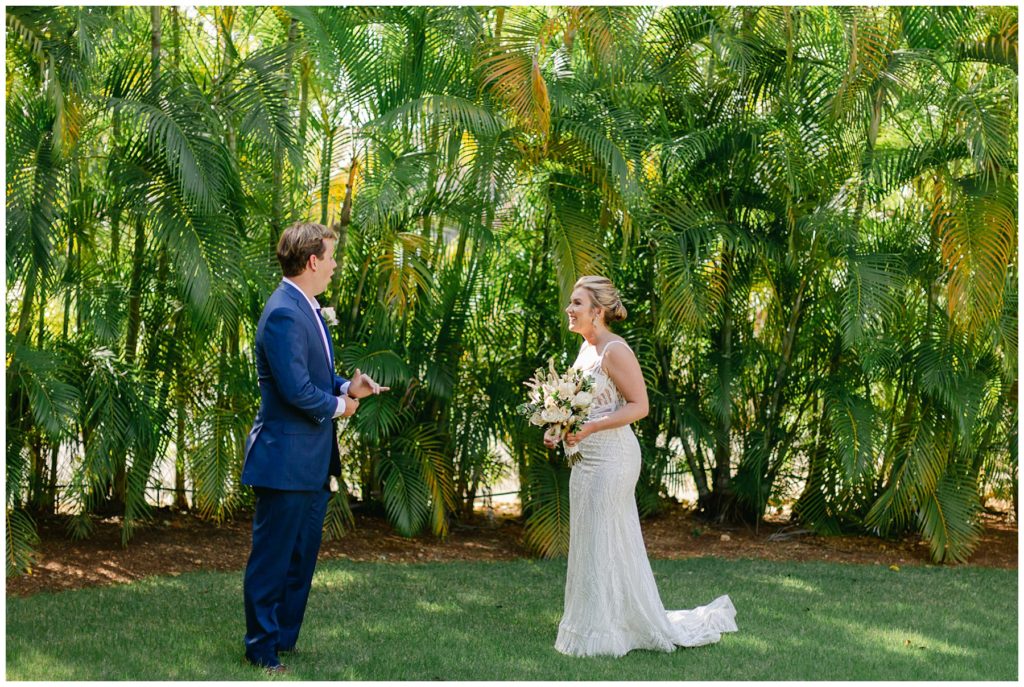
<point x="289" y="456"/>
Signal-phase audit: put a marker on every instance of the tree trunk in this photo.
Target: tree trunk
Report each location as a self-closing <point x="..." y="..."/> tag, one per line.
<point x="135" y="292"/>
<point x="115" y="211"/>
<point x="277" y="161"/>
<point x="499" y="19"/>
<point x="675" y="420"/>
<point x="51" y="491"/>
<point x="327" y="155"/>
<point x="298" y="186"/>
<point x="180" y="500"/>
<point x="25" y="315"/>
<point x="341" y="227"/>
<point x="175" y="38"/>
<point x="67" y="296"/>
<point x="138" y="263"/>
<point x="154" y="20"/>
<point x="721" y="499"/>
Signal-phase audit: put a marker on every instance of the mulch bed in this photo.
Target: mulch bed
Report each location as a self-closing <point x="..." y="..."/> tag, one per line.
<point x="175" y="542"/>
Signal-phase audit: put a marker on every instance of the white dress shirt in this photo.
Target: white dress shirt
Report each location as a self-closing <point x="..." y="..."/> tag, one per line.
<point x="323" y="338"/>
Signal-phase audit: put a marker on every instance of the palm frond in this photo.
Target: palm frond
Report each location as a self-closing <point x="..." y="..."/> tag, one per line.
<point x="574" y="241"/>
<point x="948" y="518"/>
<point x="261" y="98"/>
<point x="852" y="420"/>
<point x="447" y="111"/>
<point x="22" y="539"/>
<point x="34" y="178"/>
<point x="338" y="519"/>
<point x="177" y="129"/>
<point x="43" y="376"/>
<point x="216" y="462"/>
<point x="999" y="46"/>
<point x="547" y="526"/>
<point x="919" y="465"/>
<point x="609" y="161"/>
<point x="425" y="445"/>
<point x="873" y="285"/>
<point x="987" y="117"/>
<point x="406" y="497"/>
<point x="978" y="239"/>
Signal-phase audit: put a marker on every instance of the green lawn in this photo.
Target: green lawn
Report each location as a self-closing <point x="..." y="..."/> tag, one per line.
<point x="497" y="621"/>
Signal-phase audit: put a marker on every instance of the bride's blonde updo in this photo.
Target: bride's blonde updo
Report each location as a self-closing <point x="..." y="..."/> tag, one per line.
<point x="604" y="294"/>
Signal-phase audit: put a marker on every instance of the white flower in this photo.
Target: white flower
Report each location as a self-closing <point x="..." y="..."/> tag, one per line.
<point x="550" y="414"/>
<point x="537" y="419"/>
<point x="553" y="415"/>
<point x="329" y="316"/>
<point x="566" y="389"/>
<point x="582" y="400"/>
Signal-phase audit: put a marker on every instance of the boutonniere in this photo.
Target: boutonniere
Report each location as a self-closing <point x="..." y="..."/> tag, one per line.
<point x="329" y="316"/>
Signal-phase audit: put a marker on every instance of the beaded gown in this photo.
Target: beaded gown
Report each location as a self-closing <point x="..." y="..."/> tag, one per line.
<point x="612" y="604"/>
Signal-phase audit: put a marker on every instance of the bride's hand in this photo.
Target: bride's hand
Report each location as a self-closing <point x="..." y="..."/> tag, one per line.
<point x="551" y="439"/>
<point x="574" y="438"/>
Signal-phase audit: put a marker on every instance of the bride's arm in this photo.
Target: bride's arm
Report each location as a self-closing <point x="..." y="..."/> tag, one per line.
<point x="624" y="369"/>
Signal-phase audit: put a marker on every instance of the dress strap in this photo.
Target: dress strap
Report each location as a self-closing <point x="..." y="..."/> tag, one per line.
<point x="613" y="342"/>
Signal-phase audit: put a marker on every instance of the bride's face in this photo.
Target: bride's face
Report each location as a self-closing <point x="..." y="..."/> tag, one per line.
<point x="581" y="311"/>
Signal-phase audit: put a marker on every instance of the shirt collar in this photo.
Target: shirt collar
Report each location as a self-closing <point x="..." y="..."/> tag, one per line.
<point x="312" y="302"/>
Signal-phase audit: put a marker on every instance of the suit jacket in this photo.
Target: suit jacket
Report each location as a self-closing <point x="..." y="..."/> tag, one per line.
<point x="293" y="443"/>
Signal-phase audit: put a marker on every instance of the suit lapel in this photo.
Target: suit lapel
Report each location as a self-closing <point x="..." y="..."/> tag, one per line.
<point x="314" y="319"/>
<point x="327" y="333"/>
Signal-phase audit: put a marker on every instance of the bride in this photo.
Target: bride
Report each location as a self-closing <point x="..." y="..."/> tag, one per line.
<point x="611" y="600"/>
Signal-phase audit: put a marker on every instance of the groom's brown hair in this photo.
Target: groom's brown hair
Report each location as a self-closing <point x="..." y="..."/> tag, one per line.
<point x="298" y="242"/>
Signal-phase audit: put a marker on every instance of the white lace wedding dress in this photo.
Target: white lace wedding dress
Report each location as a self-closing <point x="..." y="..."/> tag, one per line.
<point x="611" y="600"/>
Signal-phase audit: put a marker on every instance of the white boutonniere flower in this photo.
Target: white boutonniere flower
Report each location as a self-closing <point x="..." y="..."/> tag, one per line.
<point x="329" y="316"/>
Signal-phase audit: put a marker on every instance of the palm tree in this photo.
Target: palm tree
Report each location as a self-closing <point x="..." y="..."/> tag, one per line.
<point x="811" y="213"/>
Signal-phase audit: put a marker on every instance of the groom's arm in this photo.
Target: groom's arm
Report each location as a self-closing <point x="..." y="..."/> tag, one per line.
<point x="287" y="351"/>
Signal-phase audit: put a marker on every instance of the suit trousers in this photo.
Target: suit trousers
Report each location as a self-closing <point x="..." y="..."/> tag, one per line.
<point x="286" y="533"/>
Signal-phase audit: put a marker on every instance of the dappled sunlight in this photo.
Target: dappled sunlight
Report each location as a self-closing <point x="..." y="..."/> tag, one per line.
<point x="431" y="607"/>
<point x="904" y="642"/>
<point x="29" y="662"/>
<point x="335" y="579"/>
<point x="750" y="641"/>
<point x="799" y="585"/>
<point x="498" y="621"/>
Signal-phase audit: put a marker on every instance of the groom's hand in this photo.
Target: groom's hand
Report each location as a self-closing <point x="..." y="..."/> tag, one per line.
<point x="351" y="406"/>
<point x="363" y="385"/>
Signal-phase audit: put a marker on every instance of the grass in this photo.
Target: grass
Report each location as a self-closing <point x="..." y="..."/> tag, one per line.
<point x="497" y="621"/>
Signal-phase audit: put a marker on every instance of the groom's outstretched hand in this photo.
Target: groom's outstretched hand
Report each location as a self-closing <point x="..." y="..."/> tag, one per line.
<point x="363" y="385"/>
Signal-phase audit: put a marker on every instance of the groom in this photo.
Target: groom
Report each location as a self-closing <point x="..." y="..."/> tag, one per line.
<point x="292" y="451"/>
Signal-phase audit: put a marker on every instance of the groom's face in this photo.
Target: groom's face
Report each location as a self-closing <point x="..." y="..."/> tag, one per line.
<point x="323" y="268"/>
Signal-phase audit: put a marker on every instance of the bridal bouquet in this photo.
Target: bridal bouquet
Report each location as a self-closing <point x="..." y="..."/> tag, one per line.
<point x="559" y="403"/>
